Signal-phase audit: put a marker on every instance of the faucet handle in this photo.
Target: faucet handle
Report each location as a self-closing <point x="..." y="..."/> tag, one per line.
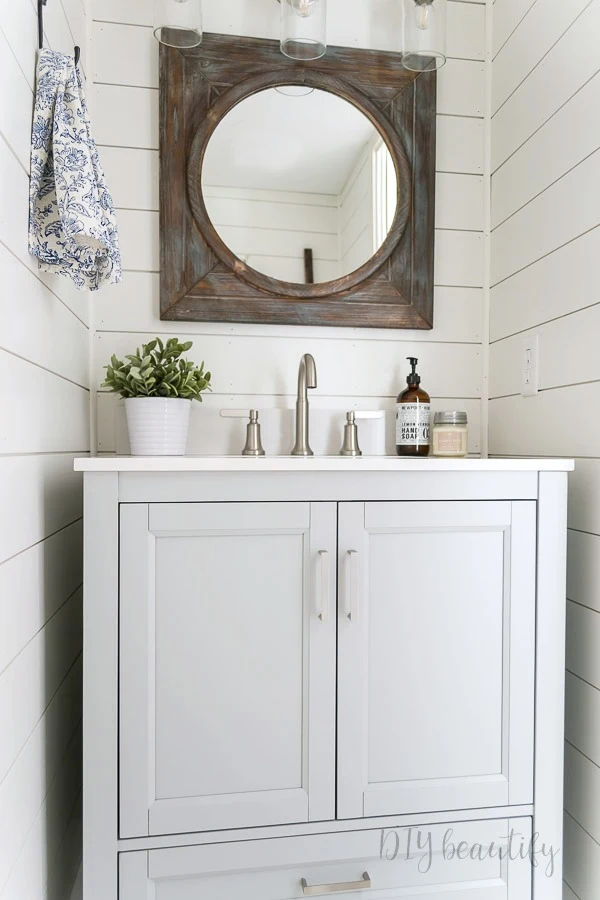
<point x="254" y="445"/>
<point x="350" y="446"/>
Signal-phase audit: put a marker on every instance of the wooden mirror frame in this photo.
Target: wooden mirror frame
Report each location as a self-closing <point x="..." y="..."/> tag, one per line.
<point x="202" y="279"/>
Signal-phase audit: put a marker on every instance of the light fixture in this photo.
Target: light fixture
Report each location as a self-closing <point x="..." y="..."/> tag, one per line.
<point x="423" y="34"/>
<point x="178" y="23"/>
<point x="303" y="28"/>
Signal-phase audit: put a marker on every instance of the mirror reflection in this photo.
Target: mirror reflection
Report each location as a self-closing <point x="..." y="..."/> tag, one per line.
<point x="300" y="186"/>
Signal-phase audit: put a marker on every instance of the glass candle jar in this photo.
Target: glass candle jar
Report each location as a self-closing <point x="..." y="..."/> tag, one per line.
<point x="450" y="435"/>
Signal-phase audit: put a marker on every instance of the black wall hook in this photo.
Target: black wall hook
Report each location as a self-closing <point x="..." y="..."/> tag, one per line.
<point x="41" y="5"/>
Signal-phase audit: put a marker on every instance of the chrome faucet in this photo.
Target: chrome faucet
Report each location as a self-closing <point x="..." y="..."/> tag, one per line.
<point x="307" y="378"/>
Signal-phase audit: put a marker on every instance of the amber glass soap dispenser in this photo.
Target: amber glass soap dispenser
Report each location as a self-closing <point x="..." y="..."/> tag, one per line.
<point x="413" y="413"/>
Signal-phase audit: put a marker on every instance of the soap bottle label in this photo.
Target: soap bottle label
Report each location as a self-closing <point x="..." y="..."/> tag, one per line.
<point x="412" y="424"/>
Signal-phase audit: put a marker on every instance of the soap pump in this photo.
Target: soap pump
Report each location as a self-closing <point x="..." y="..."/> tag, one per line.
<point x="413" y="413"/>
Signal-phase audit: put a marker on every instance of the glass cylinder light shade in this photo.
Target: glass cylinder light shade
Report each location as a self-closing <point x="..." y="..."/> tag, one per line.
<point x="423" y="34"/>
<point x="178" y="23"/>
<point x="303" y="28"/>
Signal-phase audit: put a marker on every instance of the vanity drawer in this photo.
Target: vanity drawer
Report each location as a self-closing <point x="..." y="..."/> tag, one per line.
<point x="394" y="863"/>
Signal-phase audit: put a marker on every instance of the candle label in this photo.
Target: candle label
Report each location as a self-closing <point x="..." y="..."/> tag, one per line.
<point x="412" y="424"/>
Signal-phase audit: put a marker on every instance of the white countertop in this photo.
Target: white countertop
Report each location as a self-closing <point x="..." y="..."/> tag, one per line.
<point x="314" y="464"/>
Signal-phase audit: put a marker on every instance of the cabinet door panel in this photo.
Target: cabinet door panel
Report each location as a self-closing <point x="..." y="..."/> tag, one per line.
<point x="401" y="864"/>
<point x="436" y="665"/>
<point x="220" y="643"/>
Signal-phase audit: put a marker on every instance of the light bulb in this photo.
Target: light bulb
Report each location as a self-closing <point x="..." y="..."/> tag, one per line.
<point x="303" y="8"/>
<point x="423" y="14"/>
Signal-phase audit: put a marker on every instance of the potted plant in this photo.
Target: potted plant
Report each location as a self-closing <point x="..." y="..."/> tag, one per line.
<point x="158" y="387"/>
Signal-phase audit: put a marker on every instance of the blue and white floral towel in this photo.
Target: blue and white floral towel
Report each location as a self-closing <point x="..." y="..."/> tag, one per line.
<point x="72" y="225"/>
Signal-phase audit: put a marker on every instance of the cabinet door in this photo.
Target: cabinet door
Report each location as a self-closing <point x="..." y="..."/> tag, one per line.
<point x="436" y="656"/>
<point x="408" y="863"/>
<point x="227" y="665"/>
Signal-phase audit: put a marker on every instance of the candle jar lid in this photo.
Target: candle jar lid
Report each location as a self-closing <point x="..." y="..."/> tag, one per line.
<point x="450" y="417"/>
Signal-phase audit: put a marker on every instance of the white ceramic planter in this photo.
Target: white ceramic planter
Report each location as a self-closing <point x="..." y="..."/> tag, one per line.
<point x="157" y="426"/>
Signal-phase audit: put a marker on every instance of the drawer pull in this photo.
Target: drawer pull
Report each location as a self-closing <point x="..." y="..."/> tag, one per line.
<point x="313" y="890"/>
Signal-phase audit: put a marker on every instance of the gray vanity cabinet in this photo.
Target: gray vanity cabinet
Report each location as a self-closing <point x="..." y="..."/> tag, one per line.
<point x="274" y="683"/>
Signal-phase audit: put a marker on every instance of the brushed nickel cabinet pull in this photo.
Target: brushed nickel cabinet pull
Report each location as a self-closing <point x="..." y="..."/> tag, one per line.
<point x="313" y="890"/>
<point x="324" y="586"/>
<point x="354" y="578"/>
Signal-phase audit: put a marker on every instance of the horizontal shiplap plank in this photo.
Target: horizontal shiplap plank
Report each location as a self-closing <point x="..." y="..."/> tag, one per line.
<point x="584" y="496"/>
<point x="460" y="144"/>
<point x="553" y="423"/>
<point x="459" y="258"/>
<point x="537" y="230"/>
<point x="38" y="496"/>
<point x="581" y="860"/>
<point x="583" y="640"/>
<point x="539" y="30"/>
<point x="582" y="716"/>
<point x="43" y="578"/>
<point x="29" y="313"/>
<point x="124" y="55"/>
<point x="19" y="24"/>
<point x="132" y="176"/>
<point x="248" y="241"/>
<point x="554" y="286"/>
<point x="346" y="368"/>
<point x="582" y="791"/>
<point x="139" y="240"/>
<point x="46" y="415"/>
<point x="43" y="857"/>
<point x="459" y="202"/>
<point x="133" y="305"/>
<point x="14" y="124"/>
<point x="563" y="142"/>
<point x="562" y="72"/>
<point x="583" y="570"/>
<point x="293" y="197"/>
<point x="271" y="214"/>
<point x="24" y="789"/>
<point x="65" y="876"/>
<point x="461" y="88"/>
<point x="114" y="124"/>
<point x="14" y="227"/>
<point x="507" y="16"/>
<point x="211" y="433"/>
<point x="30" y="682"/>
<point x="567" y="354"/>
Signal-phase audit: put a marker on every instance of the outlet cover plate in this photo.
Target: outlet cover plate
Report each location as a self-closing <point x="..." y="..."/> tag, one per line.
<point x="530" y="366"/>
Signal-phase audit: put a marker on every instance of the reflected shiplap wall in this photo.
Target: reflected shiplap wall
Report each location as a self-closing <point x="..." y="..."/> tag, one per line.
<point x="361" y="368"/>
<point x="44" y="399"/>
<point x="545" y="249"/>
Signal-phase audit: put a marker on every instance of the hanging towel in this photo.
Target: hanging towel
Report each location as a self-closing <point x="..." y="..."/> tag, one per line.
<point x="72" y="225"/>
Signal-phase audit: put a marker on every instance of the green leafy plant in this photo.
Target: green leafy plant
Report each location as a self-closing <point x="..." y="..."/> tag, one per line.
<point x="157" y="370"/>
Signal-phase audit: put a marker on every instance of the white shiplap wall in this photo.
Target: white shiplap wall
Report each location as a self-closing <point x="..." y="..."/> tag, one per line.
<point x="544" y="274"/>
<point x="44" y="399"/>
<point x="356" y="367"/>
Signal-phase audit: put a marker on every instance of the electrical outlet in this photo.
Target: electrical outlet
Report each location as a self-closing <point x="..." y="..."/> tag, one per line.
<point x="531" y="367"/>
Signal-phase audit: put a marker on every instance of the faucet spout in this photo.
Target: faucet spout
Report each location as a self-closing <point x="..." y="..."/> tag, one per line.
<point x="307" y="378"/>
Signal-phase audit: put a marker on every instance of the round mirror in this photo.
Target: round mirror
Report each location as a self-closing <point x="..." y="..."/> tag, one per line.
<point x="300" y="186"/>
